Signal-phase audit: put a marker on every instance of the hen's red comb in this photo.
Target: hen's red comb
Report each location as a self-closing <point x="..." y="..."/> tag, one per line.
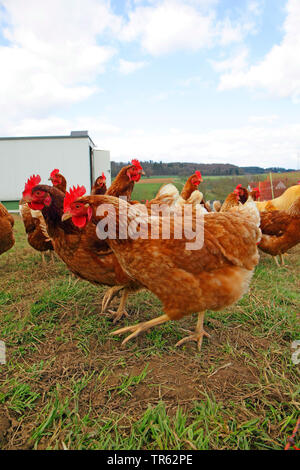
<point x="103" y="176"/>
<point x="137" y="164"/>
<point x="71" y="196"/>
<point x="238" y="186"/>
<point x="33" y="181"/>
<point x="198" y="174"/>
<point x="54" y="173"/>
<point x="256" y="189"/>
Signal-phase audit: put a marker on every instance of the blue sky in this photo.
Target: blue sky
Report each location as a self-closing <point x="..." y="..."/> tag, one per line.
<point x="172" y="80"/>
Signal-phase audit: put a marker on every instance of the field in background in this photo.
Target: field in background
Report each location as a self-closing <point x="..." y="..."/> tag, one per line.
<point x="293" y="177"/>
<point x="213" y="187"/>
<point x="11" y="205"/>
<point x="68" y="384"/>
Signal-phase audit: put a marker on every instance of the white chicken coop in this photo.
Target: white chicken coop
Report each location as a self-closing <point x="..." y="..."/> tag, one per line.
<point x="75" y="155"/>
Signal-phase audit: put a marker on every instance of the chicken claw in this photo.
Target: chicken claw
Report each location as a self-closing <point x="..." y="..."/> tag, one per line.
<point x="140" y="327"/>
<point x="118" y="314"/>
<point x="108" y="296"/>
<point x="121" y="309"/>
<point x="197" y="335"/>
<point x="282" y="255"/>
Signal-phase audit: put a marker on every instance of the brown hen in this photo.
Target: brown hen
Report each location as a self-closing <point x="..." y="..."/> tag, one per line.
<point x="7" y="239"/>
<point x="35" y="227"/>
<point x="58" y="180"/>
<point x="280" y="230"/>
<point x="186" y="281"/>
<point x="81" y="250"/>
<point x="99" y="187"/>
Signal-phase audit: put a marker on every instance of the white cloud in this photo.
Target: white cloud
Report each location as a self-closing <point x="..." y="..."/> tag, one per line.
<point x="187" y="82"/>
<point x="279" y="72"/>
<point x="127" y="67"/>
<point x="54" y="125"/>
<point x="268" y="119"/>
<point x="243" y="146"/>
<point x="247" y="23"/>
<point x="52" y="57"/>
<point x="235" y="63"/>
<point x="255" y="7"/>
<point x="166" y="26"/>
<point x="253" y="144"/>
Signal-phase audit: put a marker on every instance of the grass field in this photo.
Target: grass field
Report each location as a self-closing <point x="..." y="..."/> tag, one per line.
<point x="11" y="205"/>
<point x="212" y="187"/>
<point x="68" y="384"/>
<point x="293" y="177"/>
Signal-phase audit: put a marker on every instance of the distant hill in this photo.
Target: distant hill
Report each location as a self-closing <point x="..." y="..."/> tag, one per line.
<point x="256" y="170"/>
<point x="185" y="169"/>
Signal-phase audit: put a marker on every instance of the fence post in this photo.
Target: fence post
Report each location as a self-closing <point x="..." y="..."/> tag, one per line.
<point x="271" y="180"/>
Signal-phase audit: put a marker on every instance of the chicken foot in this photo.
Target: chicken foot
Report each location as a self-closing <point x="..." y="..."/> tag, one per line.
<point x="282" y="259"/>
<point x="108" y="296"/>
<point x="198" y="335"/>
<point x="121" y="309"/>
<point x="140" y="327"/>
<point x="282" y="262"/>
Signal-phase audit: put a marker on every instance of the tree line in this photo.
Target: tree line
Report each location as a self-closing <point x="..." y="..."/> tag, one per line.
<point x="152" y="168"/>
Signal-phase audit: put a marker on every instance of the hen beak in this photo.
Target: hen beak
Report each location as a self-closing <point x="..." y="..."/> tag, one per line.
<point x="66" y="216"/>
<point x="143" y="173"/>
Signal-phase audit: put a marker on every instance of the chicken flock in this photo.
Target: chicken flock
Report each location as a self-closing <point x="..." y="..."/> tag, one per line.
<point x="211" y="276"/>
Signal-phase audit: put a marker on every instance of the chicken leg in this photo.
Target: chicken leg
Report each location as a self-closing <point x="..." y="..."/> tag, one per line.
<point x="121" y="309"/>
<point x="282" y="259"/>
<point x="282" y="262"/>
<point x="108" y="296"/>
<point x="198" y="335"/>
<point x="140" y="327"/>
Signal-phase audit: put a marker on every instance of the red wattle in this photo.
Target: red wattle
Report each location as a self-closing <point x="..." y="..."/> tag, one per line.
<point x="36" y="206"/>
<point x="79" y="221"/>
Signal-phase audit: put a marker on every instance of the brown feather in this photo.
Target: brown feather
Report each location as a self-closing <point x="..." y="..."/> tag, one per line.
<point x="35" y="229"/>
<point x="121" y="186"/>
<point x="212" y="277"/>
<point x="7" y="239"/>
<point x="280" y="229"/>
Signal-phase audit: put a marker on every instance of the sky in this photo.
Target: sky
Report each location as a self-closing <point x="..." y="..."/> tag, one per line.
<point x="207" y="81"/>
